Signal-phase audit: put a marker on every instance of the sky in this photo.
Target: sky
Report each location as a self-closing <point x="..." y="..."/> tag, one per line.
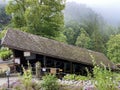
<point x="99" y="3"/>
<point x="110" y="9"/>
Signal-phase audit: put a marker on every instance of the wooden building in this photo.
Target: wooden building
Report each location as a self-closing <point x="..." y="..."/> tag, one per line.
<point x="51" y="53"/>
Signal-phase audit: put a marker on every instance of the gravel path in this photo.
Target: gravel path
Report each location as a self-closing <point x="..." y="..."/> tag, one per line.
<point x="4" y="80"/>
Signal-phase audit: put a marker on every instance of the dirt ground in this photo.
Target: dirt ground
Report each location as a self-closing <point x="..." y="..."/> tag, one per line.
<point x="4" y="67"/>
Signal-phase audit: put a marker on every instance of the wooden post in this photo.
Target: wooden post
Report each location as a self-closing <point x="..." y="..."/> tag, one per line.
<point x="44" y="59"/>
<point x="64" y="67"/>
<point x="38" y="69"/>
<point x="71" y="67"/>
<point x="55" y="63"/>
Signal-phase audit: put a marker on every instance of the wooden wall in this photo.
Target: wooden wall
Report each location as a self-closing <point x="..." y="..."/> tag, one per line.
<point x="47" y="61"/>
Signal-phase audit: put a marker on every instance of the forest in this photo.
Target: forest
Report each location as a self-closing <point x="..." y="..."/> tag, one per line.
<point x="67" y="22"/>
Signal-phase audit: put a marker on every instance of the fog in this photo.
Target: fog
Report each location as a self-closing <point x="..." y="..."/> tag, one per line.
<point x="109" y="9"/>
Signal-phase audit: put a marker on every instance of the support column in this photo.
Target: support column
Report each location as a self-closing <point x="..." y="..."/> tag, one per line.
<point x="64" y="67"/>
<point x="71" y="68"/>
<point x="55" y="63"/>
<point x="44" y="61"/>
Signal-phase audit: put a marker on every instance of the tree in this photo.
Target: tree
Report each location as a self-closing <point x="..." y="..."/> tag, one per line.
<point x="97" y="42"/>
<point x="83" y="39"/>
<point x="113" y="48"/>
<point x="41" y="17"/>
<point x="72" y="32"/>
<point x="61" y="38"/>
<point x="4" y="18"/>
<point x="93" y="25"/>
<point x="69" y="33"/>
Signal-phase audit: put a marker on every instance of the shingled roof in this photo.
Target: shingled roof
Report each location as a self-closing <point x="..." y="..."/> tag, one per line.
<point x="19" y="40"/>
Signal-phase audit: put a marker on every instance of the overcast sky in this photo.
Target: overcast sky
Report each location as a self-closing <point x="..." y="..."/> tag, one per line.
<point x="101" y="3"/>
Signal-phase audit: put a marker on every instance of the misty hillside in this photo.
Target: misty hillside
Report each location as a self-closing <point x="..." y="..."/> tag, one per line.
<point x="110" y="15"/>
<point x="76" y="12"/>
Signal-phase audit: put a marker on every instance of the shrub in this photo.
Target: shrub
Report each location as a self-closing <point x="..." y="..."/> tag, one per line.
<point x="49" y="82"/>
<point x="27" y="76"/>
<point x="5" y="53"/>
<point x="75" y="77"/>
<point x="103" y="79"/>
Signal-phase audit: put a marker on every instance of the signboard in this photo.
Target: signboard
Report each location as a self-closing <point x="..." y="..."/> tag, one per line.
<point x="53" y="70"/>
<point x="27" y="54"/>
<point x="17" y="60"/>
<point x="43" y="69"/>
<point x="31" y="57"/>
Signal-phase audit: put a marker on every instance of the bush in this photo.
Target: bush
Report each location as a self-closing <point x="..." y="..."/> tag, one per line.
<point x="75" y="77"/>
<point x="5" y="53"/>
<point x="104" y="79"/>
<point x="27" y="76"/>
<point x="49" y="82"/>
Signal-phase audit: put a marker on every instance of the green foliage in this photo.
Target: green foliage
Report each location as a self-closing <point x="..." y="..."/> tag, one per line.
<point x="27" y="77"/>
<point x="83" y="39"/>
<point x="97" y="42"/>
<point x="94" y="26"/>
<point x="87" y="33"/>
<point x="75" y="77"/>
<point x="5" y="53"/>
<point x="49" y="82"/>
<point x="103" y="79"/>
<point x="113" y="48"/>
<point x="2" y="33"/>
<point x="72" y="31"/>
<point x="61" y="38"/>
<point x="4" y="18"/>
<point x="41" y="17"/>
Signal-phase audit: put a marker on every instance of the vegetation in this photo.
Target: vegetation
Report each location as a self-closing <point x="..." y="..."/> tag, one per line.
<point x="4" y="18"/>
<point x="83" y="27"/>
<point x="104" y="79"/>
<point x="49" y="82"/>
<point x="113" y="50"/>
<point x="75" y="77"/>
<point x="5" y="53"/>
<point x="42" y="17"/>
<point x="27" y="77"/>
<point x="83" y="39"/>
<point x="2" y="33"/>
